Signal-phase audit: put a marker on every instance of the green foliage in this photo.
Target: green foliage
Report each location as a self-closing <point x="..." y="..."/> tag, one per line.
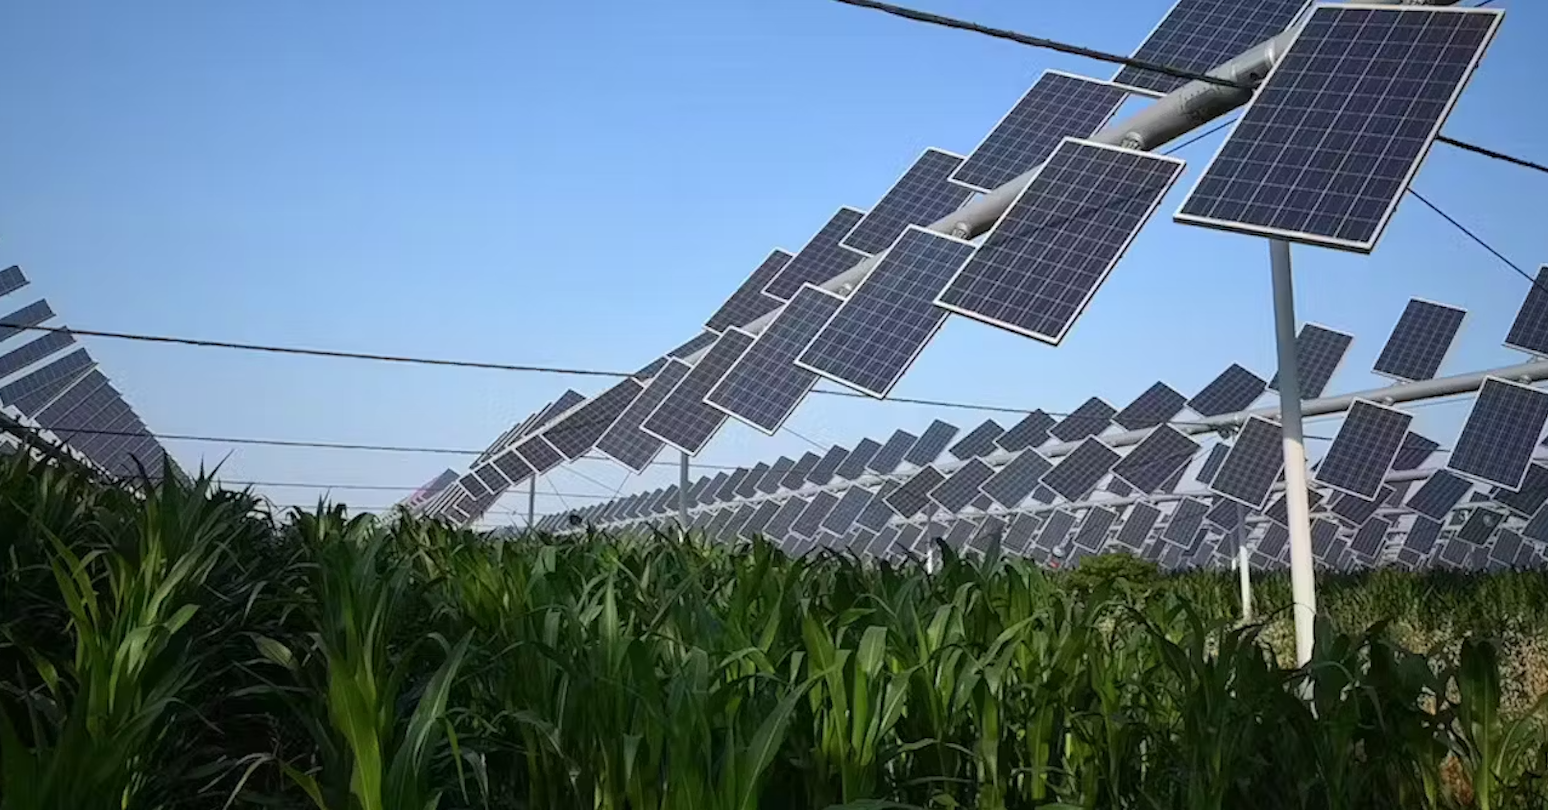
<point x="188" y="650"/>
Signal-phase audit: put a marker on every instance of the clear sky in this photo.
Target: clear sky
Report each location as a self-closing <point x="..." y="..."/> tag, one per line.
<point x="581" y="184"/>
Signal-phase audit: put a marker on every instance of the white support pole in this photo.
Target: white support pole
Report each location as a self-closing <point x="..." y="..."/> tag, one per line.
<point x="1303" y="583"/>
<point x="1243" y="568"/>
<point x="682" y="493"/>
<point x="531" y="501"/>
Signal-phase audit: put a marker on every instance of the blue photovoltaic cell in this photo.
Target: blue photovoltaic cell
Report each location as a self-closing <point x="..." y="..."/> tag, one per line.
<point x="1031" y="431"/>
<point x="1415" y="451"/>
<point x="777" y="471"/>
<point x="821" y="259"/>
<point x="750" y="302"/>
<point x="574" y="435"/>
<point x="1534" y="491"/>
<point x="1324" y="539"/>
<point x="1043" y="494"/>
<point x="1506" y="547"/>
<point x="1155" y="407"/>
<point x="1439" y="495"/>
<point x="1212" y="462"/>
<point x="891" y="454"/>
<point x="1371" y="536"/>
<point x="683" y="420"/>
<point x="1420" y="341"/>
<point x="959" y="490"/>
<point x="749" y="485"/>
<point x="32" y="392"/>
<point x="1094" y="527"/>
<point x="822" y="472"/>
<point x="1059" y="105"/>
<point x="764" y="386"/>
<point x="1529" y="332"/>
<point x="855" y="463"/>
<point x="1279" y="509"/>
<point x="707" y="495"/>
<point x="1119" y="487"/>
<point x="11" y="280"/>
<point x="1020" y="533"/>
<point x="760" y="518"/>
<point x="30" y="315"/>
<point x="538" y="453"/>
<point x="1273" y="542"/>
<point x="1234" y="390"/>
<point x="908" y="537"/>
<point x="978" y="442"/>
<point x="624" y="442"/>
<point x="1015" y="481"/>
<point x="796" y="478"/>
<point x="29" y="353"/>
<point x="491" y="477"/>
<point x="1039" y="267"/>
<point x="921" y="196"/>
<point x="990" y="532"/>
<point x="1480" y="526"/>
<point x="889" y="318"/>
<point x="1328" y="145"/>
<point x="1225" y="514"/>
<point x="1422" y="535"/>
<point x="1497" y="441"/>
<point x="1137" y="526"/>
<point x="914" y="496"/>
<point x="1056" y="527"/>
<point x="1252" y="466"/>
<point x="1091" y="418"/>
<point x="727" y="490"/>
<point x="1318" y="353"/>
<point x="1079" y="472"/>
<point x="812" y="516"/>
<point x="1362" y="452"/>
<point x="1185" y="523"/>
<point x="1198" y="35"/>
<point x="961" y="530"/>
<point x="472" y="485"/>
<point x="877" y="513"/>
<point x="931" y="443"/>
<point x="1148" y="466"/>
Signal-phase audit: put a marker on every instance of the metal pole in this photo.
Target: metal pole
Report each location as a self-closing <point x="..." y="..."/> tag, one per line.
<point x="531" y="501"/>
<point x="1243" y="569"/>
<point x="1303" y="583"/>
<point x="682" y="492"/>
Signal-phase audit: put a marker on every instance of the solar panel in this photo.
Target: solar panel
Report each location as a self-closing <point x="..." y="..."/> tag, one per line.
<point x="978" y="442"/>
<point x="1497" y="441"/>
<point x="727" y="490"/>
<point x="1212" y="462"/>
<point x="1253" y="465"/>
<point x="1137" y="526"/>
<point x="1148" y="466"/>
<point x="960" y="532"/>
<point x="1362" y="452"/>
<point x="1058" y="105"/>
<point x="854" y="464"/>
<point x="931" y="443"/>
<point x="1529" y="332"/>
<point x="31" y="393"/>
<point x="760" y="519"/>
<point x="763" y="386"/>
<point x="1226" y="514"/>
<point x="1506" y="547"/>
<point x="1049" y="253"/>
<point x="821" y="259"/>
<point x="1094" y="527"/>
<point x="709" y="489"/>
<point x="957" y="491"/>
<point x="847" y="510"/>
<point x="749" y="485"/>
<point x="472" y="485"/>
<point x="1480" y="526"/>
<point x="914" y="496"/>
<point x="11" y="280"/>
<point x="1043" y="494"/>
<point x="1324" y="539"/>
<point x="885" y="540"/>
<point x="29" y="315"/>
<point x="779" y="525"/>
<point x="795" y="478"/>
<point x="889" y="318"/>
<point x="1119" y="487"/>
<point x="1185" y="523"/>
<point x="1279" y="509"/>
<point x="577" y="433"/>
<point x="539" y="454"/>
<point x="1012" y="483"/>
<point x="1455" y="552"/>
<point x="1272" y="544"/>
<point x="1198" y="35"/>
<point x="877" y="513"/>
<point x="624" y="442"/>
<point x="777" y="471"/>
<point x="1318" y="351"/>
<point x="1530" y="497"/>
<point x="1371" y="536"/>
<point x="1031" y="431"/>
<point x="693" y="345"/>
<point x="732" y="528"/>
<point x="1055" y="528"/>
<point x="1019" y="534"/>
<point x="921" y="196"/>
<point x="491" y="477"/>
<point x="990" y="532"/>
<point x="891" y="454"/>
<point x="823" y="471"/>
<point x="1415" y="451"/>
<point x="1156" y="406"/>
<point x="816" y="511"/>
<point x="1234" y="390"/>
<point x="1420" y="341"/>
<point x="31" y="352"/>
<point x="1439" y="495"/>
<point x="749" y="302"/>
<point x="1422" y="535"/>
<point x="683" y="420"/>
<point x="1091" y="418"/>
<point x="1079" y="472"/>
<point x="1329" y="144"/>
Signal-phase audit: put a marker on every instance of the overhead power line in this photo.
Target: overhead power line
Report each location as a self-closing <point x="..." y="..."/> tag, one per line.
<point x="1490" y="153"/>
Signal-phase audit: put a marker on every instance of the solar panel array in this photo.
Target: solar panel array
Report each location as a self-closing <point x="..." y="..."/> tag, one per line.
<point x="1031" y="431"/>
<point x="1058" y="105"/>
<point x="822" y="258"/>
<point x="1153" y="461"/>
<point x="750" y="302"/>
<point x="1234" y="390"/>
<point x="1078" y="473"/>
<point x="923" y="195"/>
<point x="1197" y="35"/>
<point x="979" y="441"/>
<point x="1091" y="418"/>
<point x="764" y="386"/>
<point x="683" y="419"/>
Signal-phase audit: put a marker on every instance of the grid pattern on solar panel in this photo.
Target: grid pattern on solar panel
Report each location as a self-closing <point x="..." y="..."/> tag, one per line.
<point x="29" y="353"/>
<point x="1254" y="463"/>
<point x="1273" y="541"/>
<point x="1497" y="440"/>
<point x="30" y="393"/>
<point x="822" y="471"/>
<point x="914" y="496"/>
<point x="1094" y="527"/>
<point x="750" y="302"/>
<point x="763" y="387"/>
<point x="889" y="318"/>
<point x="821" y="259"/>
<point x="1155" y="459"/>
<point x="1420" y="341"/>
<point x="1137" y="526"/>
<point x="1185" y="522"/>
<point x="990" y="532"/>
<point x="708" y="491"/>
<point x="492" y="478"/>
<point x="1415" y="451"/>
<point x="931" y="443"/>
<point x="795" y="478"/>
<point x="891" y="454"/>
<point x="1456" y="551"/>
<point x="1362" y="452"/>
<point x="1279" y="509"/>
<point x="1197" y="35"/>
<point x="959" y="490"/>
<point x="1234" y="390"/>
<point x="749" y="485"/>
<point x="1079" y="472"/>
<point x="472" y="485"/>
<point x="1012" y="483"/>
<point x="1371" y="536"/>
<point x="1058" y="105"/>
<point x="1212" y="462"/>
<point x="877" y="513"/>
<point x="772" y="479"/>
<point x="1043" y="494"/>
<point x="30" y="315"/>
<point x="922" y="195"/>
<point x="1480" y="526"/>
<point x="1053" y="247"/>
<point x="1530" y="497"/>
<point x="576" y="434"/>
<point x="538" y="453"/>
<point x="1422" y="535"/>
<point x="1119" y="487"/>
<point x="1529" y="331"/>
<point x="960" y="532"/>
<point x="854" y="464"/>
<point x="624" y="442"/>
<point x="732" y="483"/>
<point x="1156" y="406"/>
<point x="1318" y="353"/>
<point x="1354" y="509"/>
<point x="885" y="538"/>
<point x="1439" y="494"/>
<point x="683" y="420"/>
<point x="978" y="442"/>
<point x="847" y="510"/>
<point x="760" y="519"/>
<point x="1091" y="418"/>
<point x="1327" y="147"/>
<point x="1020" y="533"/>
<point x="1055" y="528"/>
<point x="12" y="279"/>
<point x="732" y="528"/>
<point x="1506" y="547"/>
<point x="1225" y="514"/>
<point x="1031" y="431"/>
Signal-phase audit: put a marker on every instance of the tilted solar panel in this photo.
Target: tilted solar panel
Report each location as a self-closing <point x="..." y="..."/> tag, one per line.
<point x="1079" y="472"/>
<point x="750" y="302"/>
<point x="978" y="442"/>
<point x="1091" y="418"/>
<point x="1016" y="480"/>
<point x="1319" y="351"/>
<point x="891" y="454"/>
<point x="763" y="387"/>
<point x="1253" y="464"/>
<point x="1197" y="35"/>
<point x="956" y="492"/>
<point x="1500" y="434"/>
<point x="1529" y="332"/>
<point x="931" y="443"/>
<point x="1420" y="341"/>
<point x="853" y="465"/>
<point x="625" y="442"/>
<point x="914" y="496"/>
<point x="1148" y="466"/>
<point x="1361" y="454"/>
<point x="1137" y="526"/>
<point x="1031" y="431"/>
<point x="1234" y="390"/>
<point x="1156" y="406"/>
<point x="683" y="420"/>
<point x="821" y="259"/>
<point x="921" y="196"/>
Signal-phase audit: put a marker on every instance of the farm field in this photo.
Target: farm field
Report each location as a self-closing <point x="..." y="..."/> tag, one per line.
<point x="191" y="649"/>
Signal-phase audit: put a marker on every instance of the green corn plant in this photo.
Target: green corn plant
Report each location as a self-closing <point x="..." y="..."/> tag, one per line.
<point x="1493" y="749"/>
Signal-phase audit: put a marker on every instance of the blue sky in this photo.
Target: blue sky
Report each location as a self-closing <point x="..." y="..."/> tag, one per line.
<point x="580" y="184"/>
